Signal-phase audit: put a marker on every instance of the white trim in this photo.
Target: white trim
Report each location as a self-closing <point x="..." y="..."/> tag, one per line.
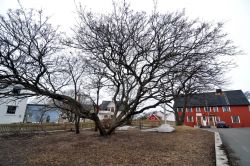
<point x="235" y="116"/>
<point x="189" y="108"/>
<point x="223" y="109"/>
<point x="198" y="109"/>
<point x="179" y="109"/>
<point x="207" y="107"/>
<point x="11" y="106"/>
<point x="192" y="119"/>
<point x="217" y="118"/>
<point x="217" y="109"/>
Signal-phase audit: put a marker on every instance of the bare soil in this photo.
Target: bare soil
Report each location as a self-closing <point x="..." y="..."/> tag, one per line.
<point x="185" y="146"/>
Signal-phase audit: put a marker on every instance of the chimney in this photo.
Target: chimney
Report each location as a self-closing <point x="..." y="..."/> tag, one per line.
<point x="218" y="92"/>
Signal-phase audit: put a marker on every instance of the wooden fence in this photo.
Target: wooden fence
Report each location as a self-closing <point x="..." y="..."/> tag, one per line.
<point x="35" y="127"/>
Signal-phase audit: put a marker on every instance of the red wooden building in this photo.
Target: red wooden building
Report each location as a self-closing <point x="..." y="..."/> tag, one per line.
<point x="154" y="117"/>
<point x="205" y="109"/>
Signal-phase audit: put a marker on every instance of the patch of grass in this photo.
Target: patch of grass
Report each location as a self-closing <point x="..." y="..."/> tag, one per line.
<point x="186" y="146"/>
<point x="184" y="128"/>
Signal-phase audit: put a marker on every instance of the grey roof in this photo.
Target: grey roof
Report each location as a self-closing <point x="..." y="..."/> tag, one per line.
<point x="234" y="97"/>
<point x="104" y="105"/>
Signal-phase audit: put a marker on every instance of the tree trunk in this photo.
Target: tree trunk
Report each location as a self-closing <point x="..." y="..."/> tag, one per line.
<point x="129" y="121"/>
<point x="96" y="128"/>
<point x="177" y="118"/>
<point x="77" y="124"/>
<point x="118" y="123"/>
<point x="99" y="125"/>
<point x="184" y="110"/>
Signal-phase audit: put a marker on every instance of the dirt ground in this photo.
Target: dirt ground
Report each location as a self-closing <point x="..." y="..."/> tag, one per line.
<point x="186" y="146"/>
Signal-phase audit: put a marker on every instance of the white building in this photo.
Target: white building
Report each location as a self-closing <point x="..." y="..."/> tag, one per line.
<point x="107" y="109"/>
<point x="11" y="110"/>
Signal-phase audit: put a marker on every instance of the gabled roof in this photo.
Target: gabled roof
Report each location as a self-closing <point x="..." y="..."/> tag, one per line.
<point x="226" y="98"/>
<point x="104" y="105"/>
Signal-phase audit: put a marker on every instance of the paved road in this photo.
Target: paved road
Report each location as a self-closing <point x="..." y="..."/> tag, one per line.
<point x="238" y="139"/>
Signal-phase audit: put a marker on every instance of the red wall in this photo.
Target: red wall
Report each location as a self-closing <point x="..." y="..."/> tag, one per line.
<point x="242" y="111"/>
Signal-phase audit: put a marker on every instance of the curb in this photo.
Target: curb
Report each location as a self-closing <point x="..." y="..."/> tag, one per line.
<point x="221" y="157"/>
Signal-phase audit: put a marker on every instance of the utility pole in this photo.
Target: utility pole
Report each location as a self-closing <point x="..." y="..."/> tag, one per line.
<point x="165" y="119"/>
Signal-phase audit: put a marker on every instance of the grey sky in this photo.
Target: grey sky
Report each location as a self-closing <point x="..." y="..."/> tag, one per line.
<point x="234" y="13"/>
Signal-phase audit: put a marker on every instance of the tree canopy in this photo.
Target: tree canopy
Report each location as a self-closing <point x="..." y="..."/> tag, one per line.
<point x="142" y="59"/>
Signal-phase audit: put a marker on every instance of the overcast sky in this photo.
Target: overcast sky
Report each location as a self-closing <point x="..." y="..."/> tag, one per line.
<point x="235" y="14"/>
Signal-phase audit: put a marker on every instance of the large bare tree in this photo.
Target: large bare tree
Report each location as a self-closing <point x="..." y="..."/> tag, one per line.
<point x="135" y="55"/>
<point x="149" y="59"/>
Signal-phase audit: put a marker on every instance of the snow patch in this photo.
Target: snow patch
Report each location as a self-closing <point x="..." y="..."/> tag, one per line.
<point x="125" y="128"/>
<point x="164" y="128"/>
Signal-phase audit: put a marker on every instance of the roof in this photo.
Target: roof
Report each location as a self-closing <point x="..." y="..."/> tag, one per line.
<point x="226" y="98"/>
<point x="156" y="117"/>
<point x="104" y="105"/>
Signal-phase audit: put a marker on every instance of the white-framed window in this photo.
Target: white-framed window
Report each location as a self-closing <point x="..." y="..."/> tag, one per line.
<point x="11" y="109"/>
<point x="215" y="109"/>
<point x="190" y="118"/>
<point x="189" y="109"/>
<point x="198" y="109"/>
<point x="217" y="119"/>
<point x="235" y="119"/>
<point x="207" y="109"/>
<point x="179" y="109"/>
<point x="226" y="109"/>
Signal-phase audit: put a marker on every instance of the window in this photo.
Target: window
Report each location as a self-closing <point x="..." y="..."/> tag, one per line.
<point x="198" y="109"/>
<point x="11" y="109"/>
<point x="179" y="109"/>
<point x="215" y="109"/>
<point x="189" y="109"/>
<point x="16" y="90"/>
<point x="226" y="109"/>
<point x="235" y="119"/>
<point x="207" y="109"/>
<point x="112" y="109"/>
<point x="190" y="119"/>
<point x="217" y="118"/>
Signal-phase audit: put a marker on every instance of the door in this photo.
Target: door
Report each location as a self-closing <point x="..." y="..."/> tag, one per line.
<point x="199" y="120"/>
<point x="211" y="120"/>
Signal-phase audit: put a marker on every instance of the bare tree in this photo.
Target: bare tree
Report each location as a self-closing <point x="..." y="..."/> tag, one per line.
<point x="144" y="54"/>
<point x="247" y="94"/>
<point x="32" y="56"/>
<point x="198" y="74"/>
<point x="137" y="57"/>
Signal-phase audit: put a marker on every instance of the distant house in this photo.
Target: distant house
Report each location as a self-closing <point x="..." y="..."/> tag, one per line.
<point x="154" y="117"/>
<point x="36" y="113"/>
<point x="12" y="110"/>
<point x="106" y="110"/>
<point x="206" y="109"/>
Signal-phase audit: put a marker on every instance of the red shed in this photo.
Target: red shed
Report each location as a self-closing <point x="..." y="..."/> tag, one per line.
<point x="153" y="117"/>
